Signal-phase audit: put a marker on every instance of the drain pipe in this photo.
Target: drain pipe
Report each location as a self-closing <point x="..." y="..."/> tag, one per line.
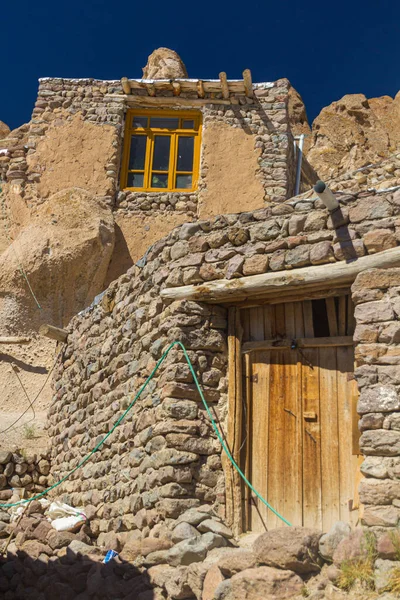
<point x="326" y="195"/>
<point x="299" y="161"/>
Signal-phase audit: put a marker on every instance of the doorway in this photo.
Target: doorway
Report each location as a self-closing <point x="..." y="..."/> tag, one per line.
<point x="300" y="434"/>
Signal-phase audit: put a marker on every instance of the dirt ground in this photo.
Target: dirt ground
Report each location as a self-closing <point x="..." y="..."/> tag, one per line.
<point x="24" y="369"/>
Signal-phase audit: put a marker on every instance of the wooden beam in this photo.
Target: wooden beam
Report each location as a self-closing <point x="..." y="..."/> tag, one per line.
<point x="14" y="340"/>
<point x="322" y="342"/>
<point x="168" y="100"/>
<point x="295" y="296"/>
<point x="200" y="89"/>
<point x="54" y="333"/>
<point x="151" y="89"/>
<point x="233" y="482"/>
<point x="248" y="83"/>
<point x="224" y="85"/>
<point x="126" y="85"/>
<point x="176" y="88"/>
<point x="314" y="277"/>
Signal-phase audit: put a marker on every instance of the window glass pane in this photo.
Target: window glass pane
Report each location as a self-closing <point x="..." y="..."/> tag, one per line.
<point x="139" y="122"/>
<point x="138" y="152"/>
<point x="183" y="181"/>
<point x="185" y="154"/>
<point x="164" y="122"/>
<point x="159" y="180"/>
<point x="135" y="180"/>
<point x="161" y="153"/>
<point x="187" y="124"/>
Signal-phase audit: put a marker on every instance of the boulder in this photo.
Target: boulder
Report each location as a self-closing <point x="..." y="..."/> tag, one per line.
<point x="382" y="573"/>
<point x="355" y="546"/>
<point x="262" y="583"/>
<point x="293" y="548"/>
<point x="184" y="531"/>
<point x="215" y="527"/>
<point x="211" y="581"/>
<point x="164" y="63"/>
<point x="187" y="551"/>
<point x="330" y="541"/>
<point x="235" y="560"/>
<point x="353" y="132"/>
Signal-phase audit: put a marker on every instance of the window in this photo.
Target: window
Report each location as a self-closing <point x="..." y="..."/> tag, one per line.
<point x="162" y="151"/>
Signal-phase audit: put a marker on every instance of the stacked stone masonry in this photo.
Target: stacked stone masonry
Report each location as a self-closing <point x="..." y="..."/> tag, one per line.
<point x="376" y="294"/>
<point x="164" y="459"/>
<point x="26" y="470"/>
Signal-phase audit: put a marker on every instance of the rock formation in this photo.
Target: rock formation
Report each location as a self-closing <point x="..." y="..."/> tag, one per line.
<point x="164" y="63"/>
<point x="353" y="132"/>
<point x="4" y="130"/>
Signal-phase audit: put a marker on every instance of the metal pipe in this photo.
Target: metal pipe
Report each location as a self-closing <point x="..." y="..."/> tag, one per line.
<point x="325" y="194"/>
<point x="299" y="161"/>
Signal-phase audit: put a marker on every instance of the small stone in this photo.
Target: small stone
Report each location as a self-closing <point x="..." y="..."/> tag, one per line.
<point x="215" y="527"/>
<point x="330" y="541"/>
<point x="5" y="457"/>
<point x="184" y="531"/>
<point x="378" y="240"/>
<point x="255" y="264"/>
<point x="262" y="583"/>
<point x="294" y="548"/>
<point x="352" y="547"/>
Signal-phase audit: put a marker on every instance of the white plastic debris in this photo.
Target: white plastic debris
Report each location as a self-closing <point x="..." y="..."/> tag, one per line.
<point x="64" y="517"/>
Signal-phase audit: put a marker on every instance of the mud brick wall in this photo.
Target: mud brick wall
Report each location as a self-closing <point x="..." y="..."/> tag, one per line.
<point x="165" y="458"/>
<point x="376" y="294"/>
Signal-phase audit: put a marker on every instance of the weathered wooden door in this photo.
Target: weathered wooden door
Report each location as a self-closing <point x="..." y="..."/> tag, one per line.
<point x="300" y="398"/>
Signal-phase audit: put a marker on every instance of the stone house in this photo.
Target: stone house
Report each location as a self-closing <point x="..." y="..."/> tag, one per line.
<point x="289" y="312"/>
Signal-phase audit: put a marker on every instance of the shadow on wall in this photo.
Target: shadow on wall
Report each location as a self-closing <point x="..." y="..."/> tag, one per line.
<point x="71" y="577"/>
<point x="121" y="259"/>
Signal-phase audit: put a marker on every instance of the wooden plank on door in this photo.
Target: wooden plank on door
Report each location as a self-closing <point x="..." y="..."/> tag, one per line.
<point x="280" y="323"/>
<point x="298" y="319"/>
<point x="312" y="476"/>
<point x="342" y="315"/>
<point x="332" y="316"/>
<point x="258" y="433"/>
<point x="290" y="328"/>
<point x="345" y="370"/>
<point x="256" y="324"/>
<point x="308" y="319"/>
<point x="284" y="450"/>
<point x="329" y="437"/>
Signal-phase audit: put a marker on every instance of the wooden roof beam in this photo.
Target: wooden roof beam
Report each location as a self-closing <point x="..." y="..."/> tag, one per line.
<point x="176" y="88"/>
<point x="200" y="89"/>
<point x="224" y="85"/>
<point x="126" y="86"/>
<point x="232" y="290"/>
<point x="248" y="83"/>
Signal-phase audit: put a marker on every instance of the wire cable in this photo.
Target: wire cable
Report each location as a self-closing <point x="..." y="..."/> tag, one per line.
<point x="122" y="417"/>
<point x="36" y="397"/>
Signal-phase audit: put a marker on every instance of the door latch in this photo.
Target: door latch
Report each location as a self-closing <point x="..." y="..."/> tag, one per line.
<point x="254" y="378"/>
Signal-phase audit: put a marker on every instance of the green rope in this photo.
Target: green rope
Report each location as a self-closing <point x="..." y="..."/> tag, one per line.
<point x="122" y="417"/>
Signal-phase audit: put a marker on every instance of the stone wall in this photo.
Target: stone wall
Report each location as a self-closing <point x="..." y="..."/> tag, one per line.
<point x="26" y="470"/>
<point x="376" y="294"/>
<point x="165" y="458"/>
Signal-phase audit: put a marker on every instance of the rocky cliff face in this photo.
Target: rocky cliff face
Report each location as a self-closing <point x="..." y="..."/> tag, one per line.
<point x="351" y="133"/>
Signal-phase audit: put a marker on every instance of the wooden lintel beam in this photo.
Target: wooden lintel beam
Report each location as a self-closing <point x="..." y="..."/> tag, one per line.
<point x="54" y="333"/>
<point x="126" y="86"/>
<point x="169" y="100"/>
<point x="224" y="85"/>
<point x="14" y="340"/>
<point x="323" y="342"/>
<point x="176" y="88"/>
<point x="230" y="290"/>
<point x="200" y="89"/>
<point x="248" y="83"/>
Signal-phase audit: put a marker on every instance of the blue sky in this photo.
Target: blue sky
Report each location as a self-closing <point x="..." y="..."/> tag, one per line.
<point x="326" y="49"/>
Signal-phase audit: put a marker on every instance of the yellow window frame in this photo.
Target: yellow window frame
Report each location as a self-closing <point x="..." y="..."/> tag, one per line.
<point x="174" y="134"/>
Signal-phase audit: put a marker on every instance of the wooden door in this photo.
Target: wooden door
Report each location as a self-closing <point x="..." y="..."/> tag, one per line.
<point x="300" y="398"/>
